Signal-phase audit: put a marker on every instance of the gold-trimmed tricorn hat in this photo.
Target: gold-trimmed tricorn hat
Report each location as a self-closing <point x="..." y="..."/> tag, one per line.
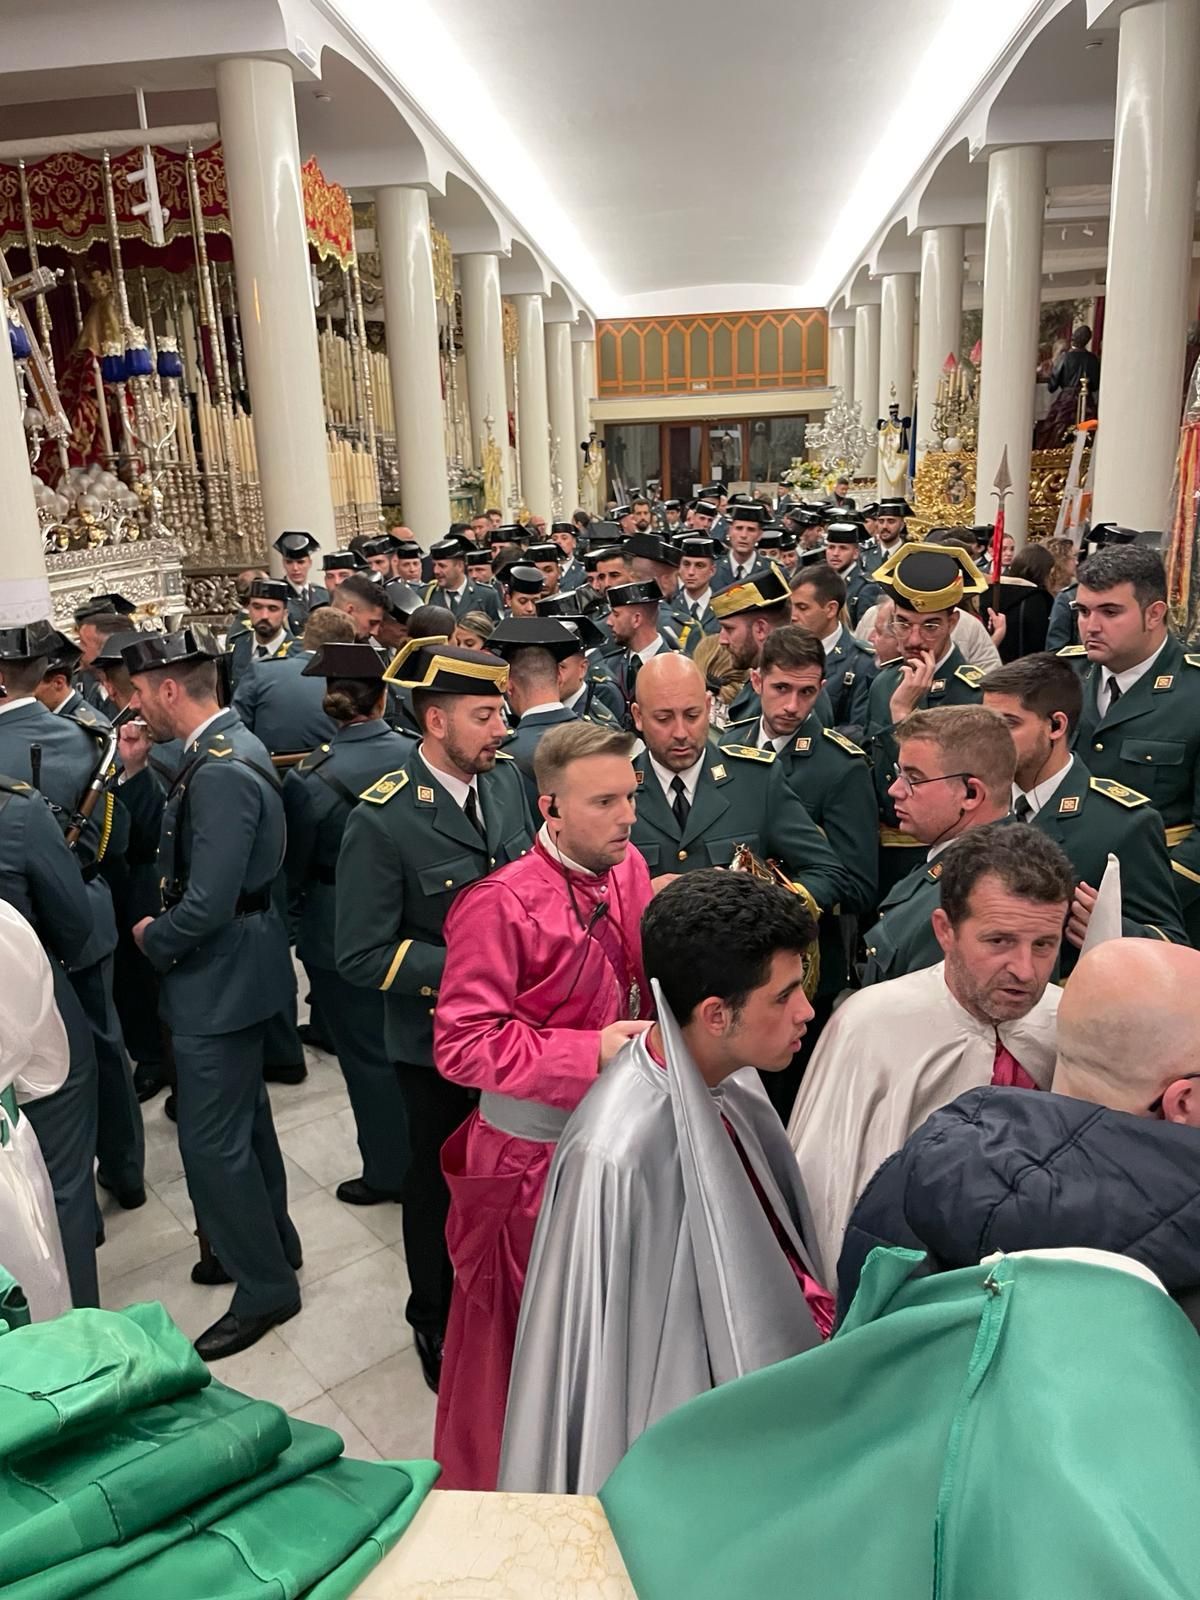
<point x="929" y="577"/>
<point x="439" y="667"/>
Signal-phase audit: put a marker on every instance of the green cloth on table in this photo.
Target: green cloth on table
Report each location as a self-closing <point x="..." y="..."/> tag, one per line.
<point x="126" y="1473"/>
<point x="1023" y="1429"/>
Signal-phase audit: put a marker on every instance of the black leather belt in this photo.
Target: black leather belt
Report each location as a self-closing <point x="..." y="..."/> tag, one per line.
<point x="248" y="904"/>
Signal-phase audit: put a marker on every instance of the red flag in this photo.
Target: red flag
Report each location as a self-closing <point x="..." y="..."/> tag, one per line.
<point x="997" y="542"/>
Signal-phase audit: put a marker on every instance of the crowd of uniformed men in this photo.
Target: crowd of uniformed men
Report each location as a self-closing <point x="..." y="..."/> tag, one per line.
<point x="176" y="812"/>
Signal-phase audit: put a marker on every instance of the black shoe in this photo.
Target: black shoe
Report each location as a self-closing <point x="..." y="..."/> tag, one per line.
<point x="429" y="1348"/>
<point x="209" y="1271"/>
<point x="313" y="1039"/>
<point x="286" y="1074"/>
<point x="230" y="1333"/>
<point x="147" y="1081"/>
<point x="170" y="1108"/>
<point x="127" y="1199"/>
<point x="358" y="1192"/>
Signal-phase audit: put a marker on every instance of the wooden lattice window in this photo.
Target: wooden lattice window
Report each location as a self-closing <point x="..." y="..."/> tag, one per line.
<point x="713" y="354"/>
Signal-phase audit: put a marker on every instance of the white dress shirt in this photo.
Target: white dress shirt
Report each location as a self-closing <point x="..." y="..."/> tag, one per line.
<point x="656" y="644"/>
<point x="831" y="643"/>
<point x="700" y="604"/>
<point x="202" y="727"/>
<point x="272" y="646"/>
<point x="17" y="700"/>
<point x="454" y="785"/>
<point x="690" y="776"/>
<point x="1125" y="680"/>
<point x="1041" y="793"/>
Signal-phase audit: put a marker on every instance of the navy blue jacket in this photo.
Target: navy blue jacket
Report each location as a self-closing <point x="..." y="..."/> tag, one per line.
<point x="1016" y="1169"/>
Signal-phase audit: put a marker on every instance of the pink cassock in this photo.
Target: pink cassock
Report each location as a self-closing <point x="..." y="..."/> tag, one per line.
<point x="533" y="973"/>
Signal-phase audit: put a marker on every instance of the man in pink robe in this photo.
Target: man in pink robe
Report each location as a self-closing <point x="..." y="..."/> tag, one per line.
<point x="543" y="985"/>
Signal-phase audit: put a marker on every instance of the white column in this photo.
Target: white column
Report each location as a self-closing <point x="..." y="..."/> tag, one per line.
<point x="583" y="360"/>
<point x="841" y="360"/>
<point x="24" y="591"/>
<point x="1149" y="258"/>
<point x="533" y="412"/>
<point x="257" y="113"/>
<point x="560" y="392"/>
<point x="939" y="320"/>
<point x="1012" y="283"/>
<point x="406" y="252"/>
<point x="866" y="379"/>
<point x="483" y="336"/>
<point x="897" y="307"/>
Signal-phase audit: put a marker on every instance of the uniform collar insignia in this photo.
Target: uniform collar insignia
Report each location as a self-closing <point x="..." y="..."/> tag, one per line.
<point x="937" y="685"/>
<point x="641" y="778"/>
<point x="718" y="772"/>
<point x="1068" y="805"/>
<point x="803" y="743"/>
<point x="935" y="870"/>
<point x="1164" y="681"/>
<point x="425" y="794"/>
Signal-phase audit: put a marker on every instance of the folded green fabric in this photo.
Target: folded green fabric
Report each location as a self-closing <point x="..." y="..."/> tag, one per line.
<point x="312" y="1447"/>
<point x="107" y="1486"/>
<point x="86" y="1368"/>
<point x="285" y="1543"/>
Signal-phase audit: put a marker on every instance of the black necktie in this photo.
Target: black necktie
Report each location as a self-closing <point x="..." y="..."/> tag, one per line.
<point x="631" y="672"/>
<point x="680" y="804"/>
<point x="1022" y="810"/>
<point x="695" y="608"/>
<point x="261" y="652"/>
<point x="471" y="810"/>
<point x="1114" y="693"/>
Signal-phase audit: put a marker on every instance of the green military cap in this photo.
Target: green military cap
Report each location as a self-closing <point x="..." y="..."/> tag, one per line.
<point x="439" y="667"/>
<point x="150" y="651"/>
<point x="929" y="577"/>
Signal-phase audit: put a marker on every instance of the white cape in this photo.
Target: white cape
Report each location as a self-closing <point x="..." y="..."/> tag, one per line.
<point x="33" y="1062"/>
<point x="889" y="1057"/>
<point x="655" y="1273"/>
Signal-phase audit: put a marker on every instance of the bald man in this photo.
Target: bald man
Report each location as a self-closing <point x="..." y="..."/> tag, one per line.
<point x="696" y="803"/>
<point x="1108" y="1159"/>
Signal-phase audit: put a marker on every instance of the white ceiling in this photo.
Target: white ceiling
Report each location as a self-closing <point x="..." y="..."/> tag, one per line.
<point x="698" y="157"/>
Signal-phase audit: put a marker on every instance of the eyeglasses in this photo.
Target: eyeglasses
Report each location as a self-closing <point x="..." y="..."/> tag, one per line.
<point x="1155" y="1106"/>
<point x="930" y="628"/>
<point x="910" y="786"/>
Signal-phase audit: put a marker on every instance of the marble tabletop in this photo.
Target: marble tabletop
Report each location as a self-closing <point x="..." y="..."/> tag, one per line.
<point x="467" y="1546"/>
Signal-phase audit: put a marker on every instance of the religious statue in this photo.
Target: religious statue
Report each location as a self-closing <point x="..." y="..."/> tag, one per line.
<point x="893" y="451"/>
<point x="591" y="478"/>
<point x="493" y="477"/>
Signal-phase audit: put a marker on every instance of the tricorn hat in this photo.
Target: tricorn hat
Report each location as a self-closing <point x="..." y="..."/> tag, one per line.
<point x="292" y="545"/>
<point x="151" y="651"/>
<point x="438" y="667"/>
<point x="929" y="577"/>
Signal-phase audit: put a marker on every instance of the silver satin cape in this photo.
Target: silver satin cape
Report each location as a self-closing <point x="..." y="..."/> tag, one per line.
<point x="655" y="1273"/>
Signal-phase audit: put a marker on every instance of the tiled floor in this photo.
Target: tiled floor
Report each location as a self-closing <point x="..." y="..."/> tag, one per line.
<point x="347" y="1360"/>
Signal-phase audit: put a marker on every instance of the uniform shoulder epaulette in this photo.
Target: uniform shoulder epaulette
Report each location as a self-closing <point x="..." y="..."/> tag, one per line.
<point x="971" y="676"/>
<point x="14" y="786"/>
<point x="1078" y="650"/>
<point x="314" y="758"/>
<point x="83" y="716"/>
<point x="384" y="788"/>
<point x="597" y="674"/>
<point x="1119" y="792"/>
<point x="1192" y="661"/>
<point x="748" y="752"/>
<point x="847" y="744"/>
<point x="685" y="634"/>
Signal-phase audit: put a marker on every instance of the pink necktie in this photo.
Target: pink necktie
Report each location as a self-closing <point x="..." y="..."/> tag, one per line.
<point x="1007" y="1071"/>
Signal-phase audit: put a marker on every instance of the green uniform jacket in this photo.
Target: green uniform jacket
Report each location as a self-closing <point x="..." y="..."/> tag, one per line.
<point x="903" y="940"/>
<point x="241" y="653"/>
<point x="220" y="945"/>
<point x="318" y="797"/>
<point x="71" y="745"/>
<point x="833" y="781"/>
<point x="281" y="706"/>
<point x="740" y="799"/>
<point x="849" y="668"/>
<point x="524" y="740"/>
<point x="1093" y="818"/>
<point x="475" y="597"/>
<point x="1150" y="742"/>
<point x="407" y="853"/>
